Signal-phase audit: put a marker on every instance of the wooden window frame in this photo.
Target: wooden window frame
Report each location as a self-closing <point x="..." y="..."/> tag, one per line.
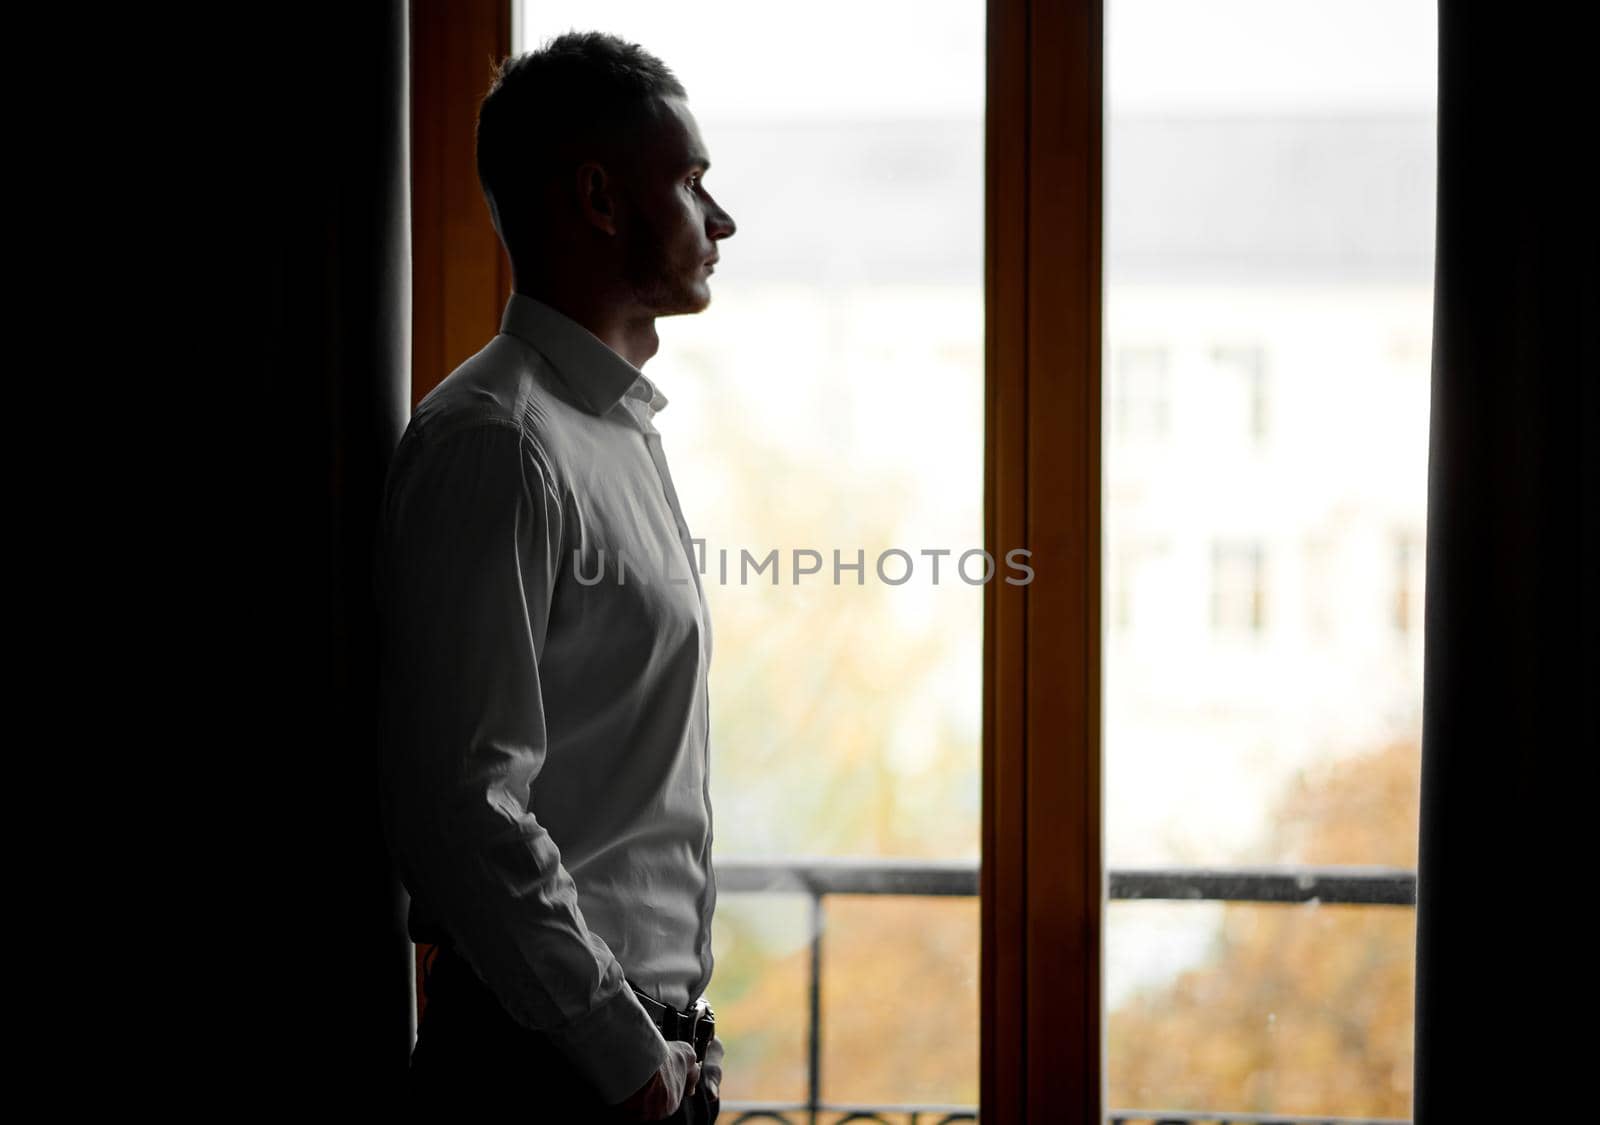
<point x="1042" y="878"/>
<point x="1042" y="875"/>
<point x="460" y="275"/>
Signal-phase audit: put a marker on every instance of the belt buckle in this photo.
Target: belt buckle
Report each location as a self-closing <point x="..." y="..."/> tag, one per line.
<point x="702" y="1027"/>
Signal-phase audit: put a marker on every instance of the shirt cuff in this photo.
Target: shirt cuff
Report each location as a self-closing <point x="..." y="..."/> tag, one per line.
<point x="616" y="1046"/>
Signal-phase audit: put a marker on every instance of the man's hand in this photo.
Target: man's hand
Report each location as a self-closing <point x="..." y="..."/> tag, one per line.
<point x="659" y="1097"/>
<point x="711" y="1071"/>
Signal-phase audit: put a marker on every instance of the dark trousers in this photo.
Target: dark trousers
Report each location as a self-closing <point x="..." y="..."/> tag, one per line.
<point x="472" y="1057"/>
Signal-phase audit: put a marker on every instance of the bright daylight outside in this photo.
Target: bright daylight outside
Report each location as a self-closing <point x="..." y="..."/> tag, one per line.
<point x="1268" y="305"/>
<point x="1268" y="258"/>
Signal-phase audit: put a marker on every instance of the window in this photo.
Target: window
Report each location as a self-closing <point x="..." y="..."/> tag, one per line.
<point x="1238" y="595"/>
<point x="831" y="399"/>
<point x="1268" y="211"/>
<point x="1268" y="174"/>
<point x="1319" y="581"/>
<point x="1246" y="366"/>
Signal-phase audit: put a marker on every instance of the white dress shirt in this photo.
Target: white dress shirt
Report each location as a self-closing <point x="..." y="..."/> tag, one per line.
<point x="545" y="768"/>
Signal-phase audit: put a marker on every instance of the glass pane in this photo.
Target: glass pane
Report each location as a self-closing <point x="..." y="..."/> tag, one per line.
<point x="926" y="975"/>
<point x="830" y="400"/>
<point x="1268" y="302"/>
<point x="1305" y="1006"/>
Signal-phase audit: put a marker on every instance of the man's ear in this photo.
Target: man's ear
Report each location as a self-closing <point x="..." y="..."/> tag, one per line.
<point x="596" y="196"/>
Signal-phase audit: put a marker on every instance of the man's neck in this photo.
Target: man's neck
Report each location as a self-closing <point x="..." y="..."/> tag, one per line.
<point x="630" y="334"/>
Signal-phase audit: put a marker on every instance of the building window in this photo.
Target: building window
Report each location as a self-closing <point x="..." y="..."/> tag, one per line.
<point x="1321" y="592"/>
<point x="1238" y="600"/>
<point x="1248" y="364"/>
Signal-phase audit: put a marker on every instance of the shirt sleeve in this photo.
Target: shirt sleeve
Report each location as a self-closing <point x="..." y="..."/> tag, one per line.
<point x="469" y="552"/>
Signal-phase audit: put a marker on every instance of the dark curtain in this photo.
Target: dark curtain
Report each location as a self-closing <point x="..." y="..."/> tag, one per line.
<point x="360" y="329"/>
<point x="1510" y="678"/>
<point x="305" y="170"/>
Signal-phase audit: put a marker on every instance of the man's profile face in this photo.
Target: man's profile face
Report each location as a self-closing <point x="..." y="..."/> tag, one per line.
<point x="673" y="222"/>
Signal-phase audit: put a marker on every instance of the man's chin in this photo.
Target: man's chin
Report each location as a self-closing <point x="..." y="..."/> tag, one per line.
<point x="686" y="304"/>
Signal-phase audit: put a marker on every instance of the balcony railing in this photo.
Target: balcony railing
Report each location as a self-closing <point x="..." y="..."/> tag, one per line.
<point x="819" y="878"/>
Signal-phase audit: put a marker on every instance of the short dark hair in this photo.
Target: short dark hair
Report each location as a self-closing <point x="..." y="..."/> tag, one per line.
<point x="548" y="110"/>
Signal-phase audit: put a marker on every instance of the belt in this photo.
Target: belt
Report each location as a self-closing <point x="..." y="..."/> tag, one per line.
<point x="693" y="1025"/>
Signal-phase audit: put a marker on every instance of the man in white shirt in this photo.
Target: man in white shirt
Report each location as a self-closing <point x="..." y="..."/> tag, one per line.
<point x="546" y="639"/>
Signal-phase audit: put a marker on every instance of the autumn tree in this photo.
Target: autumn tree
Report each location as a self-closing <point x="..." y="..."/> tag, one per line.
<point x="1299" y="1009"/>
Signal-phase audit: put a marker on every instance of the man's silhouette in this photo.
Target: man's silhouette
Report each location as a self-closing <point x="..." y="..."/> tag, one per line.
<point x="545" y="765"/>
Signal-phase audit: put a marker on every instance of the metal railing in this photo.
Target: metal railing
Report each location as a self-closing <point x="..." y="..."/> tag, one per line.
<point x="821" y="877"/>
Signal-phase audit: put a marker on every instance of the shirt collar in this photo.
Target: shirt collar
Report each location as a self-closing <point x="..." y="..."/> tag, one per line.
<point x="600" y="376"/>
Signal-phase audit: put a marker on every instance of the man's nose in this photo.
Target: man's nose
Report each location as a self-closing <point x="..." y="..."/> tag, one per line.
<point x="722" y="224"/>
